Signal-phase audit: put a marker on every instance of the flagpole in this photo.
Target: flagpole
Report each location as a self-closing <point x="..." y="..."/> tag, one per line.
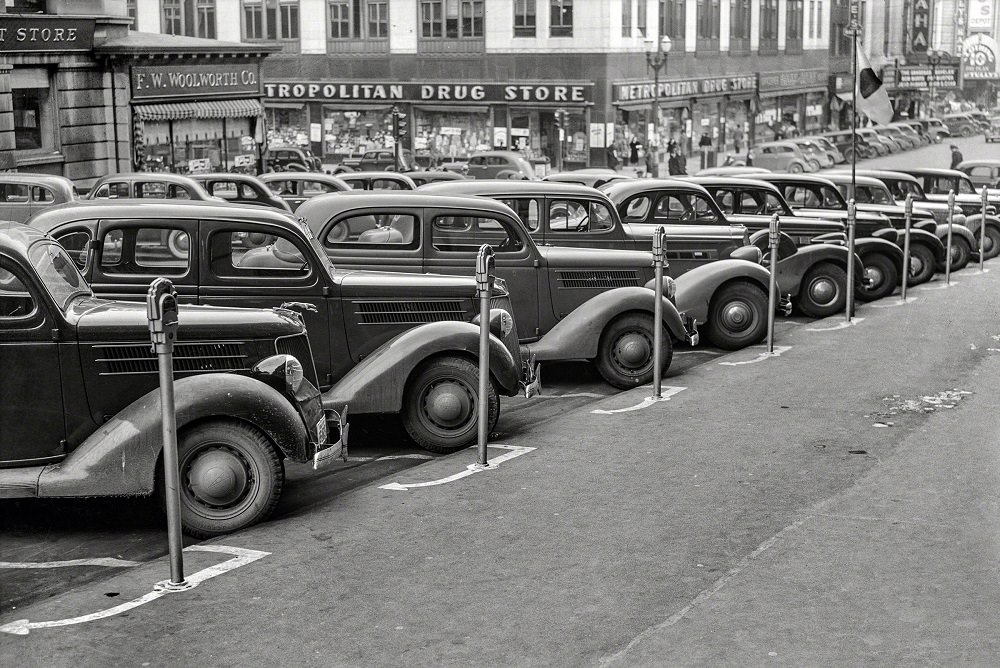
<point x="851" y="200"/>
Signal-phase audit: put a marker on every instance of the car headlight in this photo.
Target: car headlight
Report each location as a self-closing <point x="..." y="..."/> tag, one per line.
<point x="285" y="368"/>
<point x="501" y="322"/>
<point x="958" y="218"/>
<point x="669" y="287"/>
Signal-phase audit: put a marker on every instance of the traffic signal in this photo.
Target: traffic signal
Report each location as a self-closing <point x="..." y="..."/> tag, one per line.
<point x="560" y="118"/>
<point x="399" y="124"/>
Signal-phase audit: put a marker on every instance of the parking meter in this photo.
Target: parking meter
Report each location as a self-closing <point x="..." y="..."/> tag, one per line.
<point x="908" y="212"/>
<point x="774" y="239"/>
<point x="161" y="310"/>
<point x="659" y="262"/>
<point x="982" y="228"/>
<point x="485" y="271"/>
<point x="951" y="218"/>
<point x="852" y="218"/>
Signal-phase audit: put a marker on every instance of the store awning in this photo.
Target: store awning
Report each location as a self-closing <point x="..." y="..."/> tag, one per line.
<point x="176" y="111"/>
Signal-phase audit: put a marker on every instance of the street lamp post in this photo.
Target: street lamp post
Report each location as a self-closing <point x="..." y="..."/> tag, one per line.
<point x="933" y="58"/>
<point x="657" y="61"/>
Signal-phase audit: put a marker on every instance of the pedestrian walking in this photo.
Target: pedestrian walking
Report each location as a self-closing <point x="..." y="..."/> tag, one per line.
<point x="633" y="148"/>
<point x="613" y="159"/>
<point x="676" y="165"/>
<point x="705" y="141"/>
<point x="956" y="156"/>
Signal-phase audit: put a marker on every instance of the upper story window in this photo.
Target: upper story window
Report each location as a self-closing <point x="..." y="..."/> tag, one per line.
<point x="640" y="19"/>
<point x="270" y="19"/>
<point x="708" y="22"/>
<point x="793" y="24"/>
<point x="739" y="20"/>
<point x="561" y="18"/>
<point x="359" y="19"/>
<point x="626" y="18"/>
<point x="133" y="11"/>
<point x="672" y="20"/>
<point x="840" y="44"/>
<point x="768" y="24"/>
<point x="525" y="21"/>
<point x="453" y="19"/>
<point x="194" y="18"/>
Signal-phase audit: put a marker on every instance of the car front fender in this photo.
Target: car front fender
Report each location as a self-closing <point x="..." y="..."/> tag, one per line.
<point x="929" y="239"/>
<point x="867" y="246"/>
<point x="120" y="458"/>
<point x="578" y="335"/>
<point x="792" y="269"/>
<point x="973" y="222"/>
<point x="378" y="383"/>
<point x="696" y="288"/>
<point x="957" y="230"/>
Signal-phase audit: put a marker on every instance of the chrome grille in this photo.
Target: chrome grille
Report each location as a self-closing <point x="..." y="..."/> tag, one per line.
<point x="118" y="359"/>
<point x="511" y="341"/>
<point x="408" y="313"/>
<point x="297" y="345"/>
<point x="597" y="278"/>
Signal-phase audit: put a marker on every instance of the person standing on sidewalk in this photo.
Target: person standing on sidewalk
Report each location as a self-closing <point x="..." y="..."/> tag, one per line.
<point x="956" y="156"/>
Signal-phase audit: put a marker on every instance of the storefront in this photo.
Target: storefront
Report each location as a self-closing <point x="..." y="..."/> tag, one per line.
<point x="792" y="103"/>
<point x="910" y="87"/>
<point x="708" y="115"/>
<point x="447" y="120"/>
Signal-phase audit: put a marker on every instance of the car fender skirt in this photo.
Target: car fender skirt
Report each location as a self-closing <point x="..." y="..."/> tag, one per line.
<point x="868" y="245"/>
<point x="377" y="384"/>
<point x="577" y="336"/>
<point x="792" y="269"/>
<point x="696" y="288"/>
<point x="120" y="458"/>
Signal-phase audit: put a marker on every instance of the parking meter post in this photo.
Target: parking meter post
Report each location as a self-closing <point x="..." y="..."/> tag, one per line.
<point x="947" y="255"/>
<point x="908" y="210"/>
<point x="773" y="238"/>
<point x="982" y="229"/>
<point x="852" y="217"/>
<point x="485" y="269"/>
<point x="659" y="255"/>
<point x="161" y="310"/>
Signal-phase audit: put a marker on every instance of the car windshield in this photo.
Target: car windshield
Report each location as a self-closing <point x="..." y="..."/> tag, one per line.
<point x="58" y="273"/>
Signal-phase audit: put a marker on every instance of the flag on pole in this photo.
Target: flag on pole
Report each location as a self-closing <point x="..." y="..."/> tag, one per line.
<point x="870" y="95"/>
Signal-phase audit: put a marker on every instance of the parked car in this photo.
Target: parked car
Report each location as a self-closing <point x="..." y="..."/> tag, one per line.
<point x="378" y="181"/>
<point x="382" y="343"/>
<point x="991" y="135"/>
<point x="728" y="296"/>
<point x="149" y="185"/>
<point x="961" y="125"/>
<point x="23" y="194"/>
<point x="981" y="118"/>
<point x="812" y="195"/>
<point x="595" y="178"/>
<point x="884" y="145"/>
<point x="844" y="142"/>
<point x="934" y="128"/>
<point x="384" y="160"/>
<point x="80" y="415"/>
<point x="291" y="159"/>
<point x="904" y="140"/>
<point x="433" y="176"/>
<point x="733" y="170"/>
<point x="753" y="203"/>
<point x="915" y="138"/>
<point x="781" y="156"/>
<point x="570" y="303"/>
<point x="294" y="188"/>
<point x="832" y="150"/>
<point x="815" y="153"/>
<point x="982" y="172"/>
<point x="241" y="189"/>
<point x="499" y="165"/>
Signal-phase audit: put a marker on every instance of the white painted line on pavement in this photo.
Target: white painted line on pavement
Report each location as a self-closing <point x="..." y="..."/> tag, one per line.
<point x="109" y="562"/>
<point x="943" y="286"/>
<point x="513" y="451"/>
<point x="571" y="395"/>
<point x="242" y="557"/>
<point x="842" y="325"/>
<point x="761" y="357"/>
<point x="697" y="352"/>
<point x="894" y="304"/>
<point x="385" y="458"/>
<point x="666" y="393"/>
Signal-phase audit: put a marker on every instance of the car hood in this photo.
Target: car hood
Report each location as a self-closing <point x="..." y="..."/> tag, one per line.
<point x="398" y="284"/>
<point x="790" y="223"/>
<point x="103" y="319"/>
<point x="643" y="233"/>
<point x="869" y="217"/>
<point x="895" y="211"/>
<point x="563" y="257"/>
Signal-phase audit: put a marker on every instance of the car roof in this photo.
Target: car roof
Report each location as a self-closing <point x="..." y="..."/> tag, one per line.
<point x="31" y="179"/>
<point x="732" y="181"/>
<point x="450" y="176"/>
<point x="980" y="162"/>
<point x="506" y="186"/>
<point x="166" y="177"/>
<point x="334" y="204"/>
<point x="158" y="209"/>
<point x="623" y="189"/>
<point x="16" y="238"/>
<point x="777" y="143"/>
<point x="937" y="171"/>
<point x="794" y="178"/>
<point x="882" y="174"/>
<point x="300" y="176"/>
<point x="504" y="154"/>
<point x="840" y="178"/>
<point x="358" y="176"/>
<point x="228" y="176"/>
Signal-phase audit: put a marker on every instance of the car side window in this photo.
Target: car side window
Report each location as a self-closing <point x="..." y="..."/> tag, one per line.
<point x="965" y="188"/>
<point x="568" y="215"/>
<point x="685" y="208"/>
<point x="77" y="245"/>
<point x="16" y="302"/>
<point x="465" y="234"/>
<point x="394" y="229"/>
<point x="772" y="204"/>
<point x="638" y="208"/>
<point x="725" y="199"/>
<point x="386" y="184"/>
<point x="526" y="209"/>
<point x="224" y="189"/>
<point x="145" y="250"/>
<point x="313" y="188"/>
<point x="252" y="253"/>
<point x="496" y="161"/>
<point x="14" y="193"/>
<point x="477" y="161"/>
<point x="40" y="194"/>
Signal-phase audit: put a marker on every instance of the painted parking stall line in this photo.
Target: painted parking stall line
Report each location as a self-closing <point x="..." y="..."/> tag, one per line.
<point x="667" y="392"/>
<point x="107" y="562"/>
<point x="241" y="557"/>
<point x="943" y="286"/>
<point x="512" y="452"/>
<point x="895" y="304"/>
<point x="841" y="325"/>
<point x="778" y="350"/>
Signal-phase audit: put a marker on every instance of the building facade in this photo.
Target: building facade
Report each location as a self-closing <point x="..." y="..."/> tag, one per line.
<point x="475" y="74"/>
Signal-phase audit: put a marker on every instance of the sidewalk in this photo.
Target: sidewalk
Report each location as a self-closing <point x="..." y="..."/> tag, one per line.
<point x="730" y="524"/>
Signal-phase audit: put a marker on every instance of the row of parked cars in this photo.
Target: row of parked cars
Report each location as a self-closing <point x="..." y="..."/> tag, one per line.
<point x="363" y="301"/>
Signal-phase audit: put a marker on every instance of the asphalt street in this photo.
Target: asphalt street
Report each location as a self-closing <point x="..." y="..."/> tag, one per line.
<point x="833" y="504"/>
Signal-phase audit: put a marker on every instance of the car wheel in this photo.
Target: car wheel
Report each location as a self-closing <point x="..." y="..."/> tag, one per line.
<point x="823" y="293"/>
<point x="921" y="264"/>
<point x="230" y="477"/>
<point x="884" y="276"/>
<point x="440" y="407"/>
<point x="795" y="168"/>
<point x="814" y="164"/>
<point x="625" y="352"/>
<point x="991" y="244"/>
<point x="967" y="131"/>
<point x="960" y="254"/>
<point x="737" y="316"/>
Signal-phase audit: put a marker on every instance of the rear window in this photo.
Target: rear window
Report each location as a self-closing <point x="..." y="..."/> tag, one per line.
<point x="393" y="229"/>
<point x="465" y="234"/>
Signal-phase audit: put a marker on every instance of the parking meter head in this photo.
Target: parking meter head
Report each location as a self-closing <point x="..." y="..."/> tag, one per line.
<point x="659" y="244"/>
<point x="485" y="267"/>
<point x="951" y="199"/>
<point x="908" y="204"/>
<point x="161" y="310"/>
<point x="774" y="230"/>
<point x="985" y="196"/>
<point x="852" y="212"/>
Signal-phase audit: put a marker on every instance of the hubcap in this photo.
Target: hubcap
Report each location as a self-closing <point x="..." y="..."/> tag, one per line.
<point x="218" y="477"/>
<point x="448" y="404"/>
<point x="988" y="244"/>
<point x="955" y="254"/>
<point x="823" y="290"/>
<point x="876" y="276"/>
<point x="916" y="266"/>
<point x="632" y="350"/>
<point x="737" y="316"/>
